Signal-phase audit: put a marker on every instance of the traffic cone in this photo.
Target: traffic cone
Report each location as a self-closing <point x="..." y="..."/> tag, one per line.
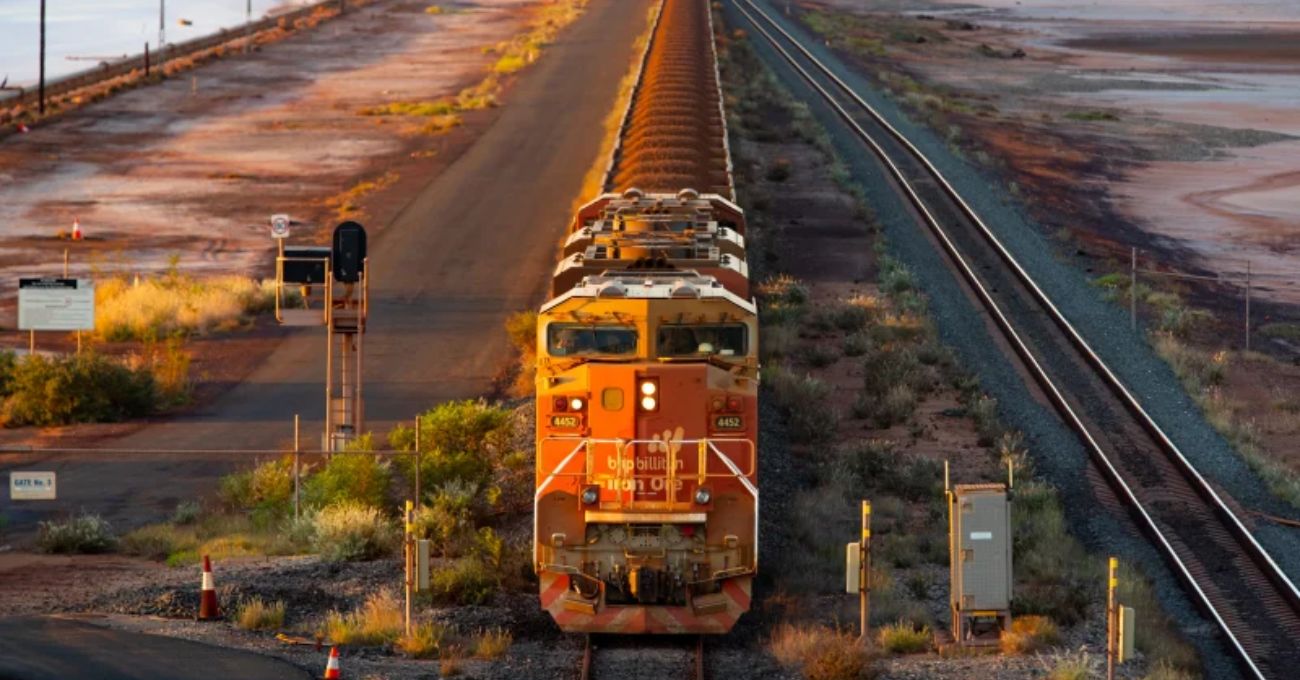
<point x="332" y="666"/>
<point x="76" y="229"/>
<point x="208" y="595"/>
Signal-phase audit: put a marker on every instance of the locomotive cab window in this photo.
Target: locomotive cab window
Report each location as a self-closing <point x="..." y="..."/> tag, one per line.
<point x="690" y="340"/>
<point x="570" y="340"/>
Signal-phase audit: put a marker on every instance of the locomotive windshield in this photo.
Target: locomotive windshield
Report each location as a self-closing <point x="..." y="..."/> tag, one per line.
<point x="571" y="340"/>
<point x="683" y="340"/>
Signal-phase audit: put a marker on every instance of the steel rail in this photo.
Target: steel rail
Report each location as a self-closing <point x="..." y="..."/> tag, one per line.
<point x="1196" y="481"/>
<point x="589" y="652"/>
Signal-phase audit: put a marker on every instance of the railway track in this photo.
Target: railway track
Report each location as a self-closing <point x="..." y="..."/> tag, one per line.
<point x="1203" y="538"/>
<point x="657" y="659"/>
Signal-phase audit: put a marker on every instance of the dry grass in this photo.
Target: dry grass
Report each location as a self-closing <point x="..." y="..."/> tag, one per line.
<point x="353" y="531"/>
<point x="425" y="641"/>
<point x="821" y="653"/>
<point x="449" y="664"/>
<point x="492" y="643"/>
<point x="376" y="622"/>
<point x="157" y="307"/>
<point x="346" y="204"/>
<point x="1030" y="634"/>
<point x="258" y="614"/>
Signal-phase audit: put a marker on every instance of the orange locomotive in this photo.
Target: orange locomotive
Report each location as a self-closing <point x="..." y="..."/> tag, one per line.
<point x="646" y="508"/>
<point x="647" y="383"/>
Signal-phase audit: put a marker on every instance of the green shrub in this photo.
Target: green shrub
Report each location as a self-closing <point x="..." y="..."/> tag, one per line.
<point x="360" y="478"/>
<point x="805" y="401"/>
<point x="350" y="531"/>
<point x="879" y="464"/>
<point x="459" y="440"/>
<point x="449" y="517"/>
<point x="898" y="549"/>
<point x="1051" y="567"/>
<point x="467" y="580"/>
<point x="857" y="344"/>
<point x="266" y="491"/>
<point x="817" y="355"/>
<point x="897" y="407"/>
<point x="903" y="637"/>
<point x="156" y="542"/>
<point x="81" y="534"/>
<point x="779" y="170"/>
<point x="187" y="512"/>
<point x="82" y="388"/>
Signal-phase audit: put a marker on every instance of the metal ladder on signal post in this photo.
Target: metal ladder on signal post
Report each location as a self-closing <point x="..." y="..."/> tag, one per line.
<point x="345" y="408"/>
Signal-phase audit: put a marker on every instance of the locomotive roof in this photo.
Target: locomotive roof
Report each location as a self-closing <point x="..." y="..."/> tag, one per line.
<point x="651" y="285"/>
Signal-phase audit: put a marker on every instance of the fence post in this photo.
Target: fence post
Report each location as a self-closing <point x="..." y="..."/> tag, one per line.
<point x="146" y="60"/>
<point x="418" y="458"/>
<point x="1248" y="305"/>
<point x="40" y="96"/>
<point x="1133" y="291"/>
<point x="408" y="546"/>
<point x="297" y="466"/>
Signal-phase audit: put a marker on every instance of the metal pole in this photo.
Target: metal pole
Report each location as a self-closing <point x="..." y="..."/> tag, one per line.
<point x="864" y="571"/>
<point x="248" y="24"/>
<point x="41" y="84"/>
<point x="1247" y="305"/>
<point x="162" y="24"/>
<point x="1112" y="628"/>
<point x="31" y="343"/>
<point x="1133" y="291"/>
<point x="418" y="458"/>
<point x="409" y="550"/>
<point x="146" y="60"/>
<point x="297" y="468"/>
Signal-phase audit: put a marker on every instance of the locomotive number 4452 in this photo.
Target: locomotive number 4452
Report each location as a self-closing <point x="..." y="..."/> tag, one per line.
<point x="728" y="423"/>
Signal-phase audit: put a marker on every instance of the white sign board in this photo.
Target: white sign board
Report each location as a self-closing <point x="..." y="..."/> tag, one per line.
<point x="56" y="305"/>
<point x="279" y="226"/>
<point x="31" y="486"/>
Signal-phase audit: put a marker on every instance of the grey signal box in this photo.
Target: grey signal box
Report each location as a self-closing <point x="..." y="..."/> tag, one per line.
<point x="979" y="544"/>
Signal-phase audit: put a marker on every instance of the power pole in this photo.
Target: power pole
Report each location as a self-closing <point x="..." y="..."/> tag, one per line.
<point x="1248" y="305"/>
<point x="1133" y="291"/>
<point x="41" y="86"/>
<point x="162" y="24"/>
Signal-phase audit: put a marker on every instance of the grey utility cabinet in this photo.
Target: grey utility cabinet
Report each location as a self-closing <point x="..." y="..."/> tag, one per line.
<point x="979" y="542"/>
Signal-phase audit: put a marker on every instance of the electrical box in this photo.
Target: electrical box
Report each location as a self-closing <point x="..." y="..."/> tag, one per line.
<point x="422" y="564"/>
<point x="304" y="264"/>
<point x="1127" y="633"/>
<point x="979" y="545"/>
<point x="853" y="568"/>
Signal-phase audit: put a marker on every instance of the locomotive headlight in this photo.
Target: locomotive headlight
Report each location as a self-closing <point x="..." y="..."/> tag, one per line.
<point x="590" y="495"/>
<point x="649" y="403"/>
<point x="648" y="388"/>
<point x="576" y="404"/>
<point x="703" y="495"/>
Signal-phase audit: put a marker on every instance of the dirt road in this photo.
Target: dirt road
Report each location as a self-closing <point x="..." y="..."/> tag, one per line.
<point x="474" y="245"/>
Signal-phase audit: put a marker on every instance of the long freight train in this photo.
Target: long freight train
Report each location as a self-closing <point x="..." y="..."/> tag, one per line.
<point x="646" y="507"/>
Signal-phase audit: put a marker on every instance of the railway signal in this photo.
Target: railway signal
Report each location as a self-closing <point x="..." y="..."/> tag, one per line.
<point x="342" y="309"/>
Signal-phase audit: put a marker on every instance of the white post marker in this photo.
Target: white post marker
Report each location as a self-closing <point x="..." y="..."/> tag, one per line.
<point x="32" y="486"/>
<point x="280" y="226"/>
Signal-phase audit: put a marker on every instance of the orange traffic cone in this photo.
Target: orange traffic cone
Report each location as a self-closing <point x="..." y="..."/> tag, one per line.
<point x="76" y="229"/>
<point x="208" y="594"/>
<point x="332" y="666"/>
